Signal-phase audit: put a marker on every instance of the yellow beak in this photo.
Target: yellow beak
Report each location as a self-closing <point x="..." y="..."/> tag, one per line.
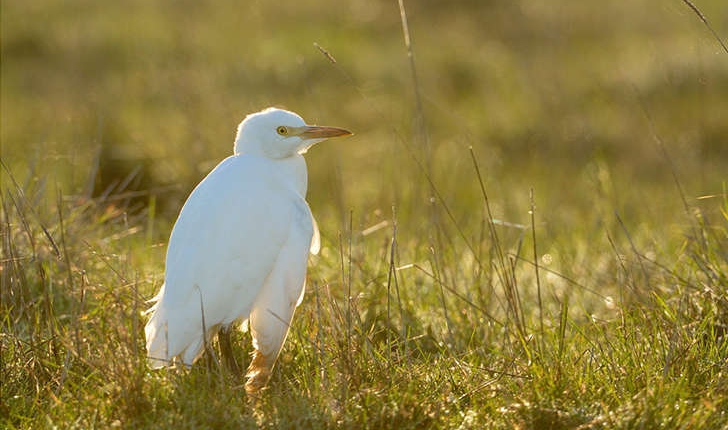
<point x="321" y="132"/>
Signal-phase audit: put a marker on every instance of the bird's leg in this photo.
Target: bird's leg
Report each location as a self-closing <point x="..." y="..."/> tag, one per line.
<point x="259" y="372"/>
<point x="269" y="330"/>
<point x="226" y="350"/>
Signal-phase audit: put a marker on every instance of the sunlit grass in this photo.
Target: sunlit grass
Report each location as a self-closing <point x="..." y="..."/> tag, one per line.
<point x="423" y="308"/>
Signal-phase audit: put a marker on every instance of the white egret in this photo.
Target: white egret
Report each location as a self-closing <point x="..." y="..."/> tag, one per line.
<point x="239" y="249"/>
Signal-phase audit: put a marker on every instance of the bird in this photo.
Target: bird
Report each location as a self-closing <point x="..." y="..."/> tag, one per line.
<point x="238" y="251"/>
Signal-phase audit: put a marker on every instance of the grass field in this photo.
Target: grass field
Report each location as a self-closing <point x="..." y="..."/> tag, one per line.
<point x="530" y="231"/>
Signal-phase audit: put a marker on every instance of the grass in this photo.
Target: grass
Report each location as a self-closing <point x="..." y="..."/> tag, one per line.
<point x="557" y="259"/>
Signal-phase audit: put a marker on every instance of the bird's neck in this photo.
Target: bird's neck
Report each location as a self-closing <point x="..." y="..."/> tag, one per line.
<point x="294" y="169"/>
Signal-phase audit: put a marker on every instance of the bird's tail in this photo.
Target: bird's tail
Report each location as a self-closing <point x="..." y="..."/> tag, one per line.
<point x="156" y="334"/>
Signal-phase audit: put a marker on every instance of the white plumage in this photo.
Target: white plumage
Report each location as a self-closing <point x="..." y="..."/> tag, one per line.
<point x="239" y="249"/>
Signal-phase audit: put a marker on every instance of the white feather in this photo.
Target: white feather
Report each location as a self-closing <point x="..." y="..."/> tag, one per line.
<point x="239" y="248"/>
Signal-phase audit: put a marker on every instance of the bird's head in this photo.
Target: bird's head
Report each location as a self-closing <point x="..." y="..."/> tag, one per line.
<point x="277" y="133"/>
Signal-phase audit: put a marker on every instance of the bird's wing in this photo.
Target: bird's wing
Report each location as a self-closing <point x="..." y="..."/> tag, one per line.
<point x="223" y="246"/>
<point x="316" y="238"/>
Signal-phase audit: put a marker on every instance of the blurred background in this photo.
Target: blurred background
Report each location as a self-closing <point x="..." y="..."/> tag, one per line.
<point x="596" y="106"/>
<point x="613" y="114"/>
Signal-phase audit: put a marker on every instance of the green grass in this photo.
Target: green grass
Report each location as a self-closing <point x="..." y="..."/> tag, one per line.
<point x="599" y="144"/>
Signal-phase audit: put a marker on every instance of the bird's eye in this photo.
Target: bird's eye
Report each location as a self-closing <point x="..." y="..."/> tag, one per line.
<point x="282" y="130"/>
